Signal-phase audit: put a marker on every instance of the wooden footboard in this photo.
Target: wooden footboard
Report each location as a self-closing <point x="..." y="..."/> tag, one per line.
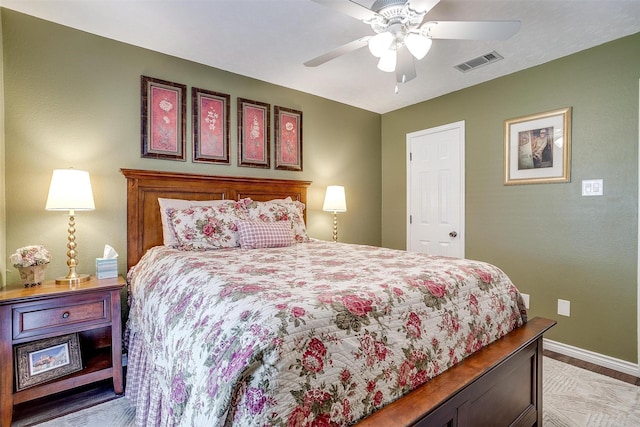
<point x="500" y="385"/>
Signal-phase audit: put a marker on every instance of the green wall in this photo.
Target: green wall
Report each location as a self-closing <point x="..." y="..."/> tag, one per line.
<point x="72" y="99"/>
<point x="553" y="243"/>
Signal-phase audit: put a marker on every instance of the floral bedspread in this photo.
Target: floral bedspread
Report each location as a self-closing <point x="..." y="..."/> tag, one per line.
<point x="315" y="334"/>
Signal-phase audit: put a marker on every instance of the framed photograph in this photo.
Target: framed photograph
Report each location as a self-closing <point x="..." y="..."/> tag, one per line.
<point x="164" y="108"/>
<point x="41" y="361"/>
<point x="288" y="139"/>
<point x="537" y="148"/>
<point x="210" y="126"/>
<point x="254" y="128"/>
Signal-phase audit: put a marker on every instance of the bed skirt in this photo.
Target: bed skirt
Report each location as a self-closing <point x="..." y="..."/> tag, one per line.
<point x="143" y="389"/>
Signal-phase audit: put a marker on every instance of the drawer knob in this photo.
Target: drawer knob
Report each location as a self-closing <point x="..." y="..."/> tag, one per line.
<point x="65" y="314"/>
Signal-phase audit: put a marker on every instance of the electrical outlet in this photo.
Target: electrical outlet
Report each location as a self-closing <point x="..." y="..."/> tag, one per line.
<point x="564" y="307"/>
<point x="525" y="298"/>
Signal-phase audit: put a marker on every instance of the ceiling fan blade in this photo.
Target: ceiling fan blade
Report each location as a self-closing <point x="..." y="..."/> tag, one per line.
<point x="345" y="48"/>
<point x="472" y="30"/>
<point x="349" y="8"/>
<point x="423" y="5"/>
<point x="405" y="68"/>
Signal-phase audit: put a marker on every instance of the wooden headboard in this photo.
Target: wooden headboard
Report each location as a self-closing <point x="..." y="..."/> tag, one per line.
<point x="144" y="228"/>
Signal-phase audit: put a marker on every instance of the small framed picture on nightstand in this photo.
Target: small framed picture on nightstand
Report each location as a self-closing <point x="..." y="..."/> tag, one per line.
<point x="41" y="361"/>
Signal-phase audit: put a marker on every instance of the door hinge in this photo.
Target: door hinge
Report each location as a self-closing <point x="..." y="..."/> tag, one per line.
<point x="410" y="157"/>
<point x="410" y="219"/>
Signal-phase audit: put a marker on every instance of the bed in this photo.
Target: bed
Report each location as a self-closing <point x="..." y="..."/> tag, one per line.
<point x="493" y="378"/>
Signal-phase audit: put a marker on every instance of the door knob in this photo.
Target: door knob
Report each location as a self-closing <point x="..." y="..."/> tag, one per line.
<point x="453" y="234"/>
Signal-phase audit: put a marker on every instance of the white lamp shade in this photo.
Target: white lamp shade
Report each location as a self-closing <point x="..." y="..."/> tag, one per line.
<point x="334" y="200"/>
<point x="418" y="45"/>
<point x="70" y="189"/>
<point x="380" y="43"/>
<point x="388" y="61"/>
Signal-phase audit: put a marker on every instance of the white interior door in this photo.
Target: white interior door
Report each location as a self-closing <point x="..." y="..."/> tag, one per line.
<point x="435" y="190"/>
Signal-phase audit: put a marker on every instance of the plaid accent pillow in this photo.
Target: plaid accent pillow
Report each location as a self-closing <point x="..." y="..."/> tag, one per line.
<point x="260" y="234"/>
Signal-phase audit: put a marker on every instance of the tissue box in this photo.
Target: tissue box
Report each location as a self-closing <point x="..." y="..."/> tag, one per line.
<point x="106" y="268"/>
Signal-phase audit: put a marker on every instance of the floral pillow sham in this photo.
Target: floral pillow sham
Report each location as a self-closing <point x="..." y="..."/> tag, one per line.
<point x="207" y="227"/>
<point x="285" y="210"/>
<point x="168" y="235"/>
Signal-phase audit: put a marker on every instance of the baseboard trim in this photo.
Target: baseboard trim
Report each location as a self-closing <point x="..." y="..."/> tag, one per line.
<point x="592" y="357"/>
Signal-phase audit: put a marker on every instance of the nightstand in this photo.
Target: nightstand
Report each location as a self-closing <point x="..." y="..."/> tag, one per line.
<point x="90" y="309"/>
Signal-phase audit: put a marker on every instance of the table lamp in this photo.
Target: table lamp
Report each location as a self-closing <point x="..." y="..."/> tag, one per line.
<point x="70" y="190"/>
<point x="334" y="201"/>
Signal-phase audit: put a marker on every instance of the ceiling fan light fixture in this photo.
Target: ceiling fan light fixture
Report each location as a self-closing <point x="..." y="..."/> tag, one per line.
<point x="380" y="43"/>
<point x="418" y="45"/>
<point x="388" y="61"/>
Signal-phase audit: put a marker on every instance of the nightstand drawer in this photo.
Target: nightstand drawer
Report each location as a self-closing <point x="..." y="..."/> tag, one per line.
<point x="59" y="314"/>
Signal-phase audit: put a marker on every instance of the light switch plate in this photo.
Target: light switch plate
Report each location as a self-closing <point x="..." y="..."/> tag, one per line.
<point x="592" y="187"/>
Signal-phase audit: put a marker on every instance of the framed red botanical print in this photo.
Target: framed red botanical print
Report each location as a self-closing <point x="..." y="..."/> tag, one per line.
<point x="254" y="129"/>
<point x="164" y="107"/>
<point x="288" y="124"/>
<point x="210" y="126"/>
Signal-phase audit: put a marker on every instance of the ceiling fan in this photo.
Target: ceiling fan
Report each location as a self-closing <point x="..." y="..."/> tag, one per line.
<point x="402" y="33"/>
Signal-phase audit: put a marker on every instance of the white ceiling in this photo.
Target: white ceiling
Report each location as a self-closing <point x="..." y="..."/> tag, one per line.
<point x="270" y="39"/>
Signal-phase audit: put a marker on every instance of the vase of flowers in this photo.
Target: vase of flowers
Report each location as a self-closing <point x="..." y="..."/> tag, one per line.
<point x="31" y="262"/>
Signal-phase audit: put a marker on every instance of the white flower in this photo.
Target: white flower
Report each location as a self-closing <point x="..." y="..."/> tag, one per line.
<point x="211" y="119"/>
<point x="165" y="105"/>
<point x="29" y="256"/>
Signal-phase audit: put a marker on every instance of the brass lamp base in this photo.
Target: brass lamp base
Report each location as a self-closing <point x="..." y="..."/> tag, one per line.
<point x="78" y="278"/>
<point x="72" y="277"/>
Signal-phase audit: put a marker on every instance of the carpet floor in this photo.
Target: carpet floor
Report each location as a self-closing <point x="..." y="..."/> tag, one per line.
<point x="573" y="397"/>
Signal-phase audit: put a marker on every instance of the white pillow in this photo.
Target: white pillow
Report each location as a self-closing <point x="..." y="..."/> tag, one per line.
<point x="168" y="235"/>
